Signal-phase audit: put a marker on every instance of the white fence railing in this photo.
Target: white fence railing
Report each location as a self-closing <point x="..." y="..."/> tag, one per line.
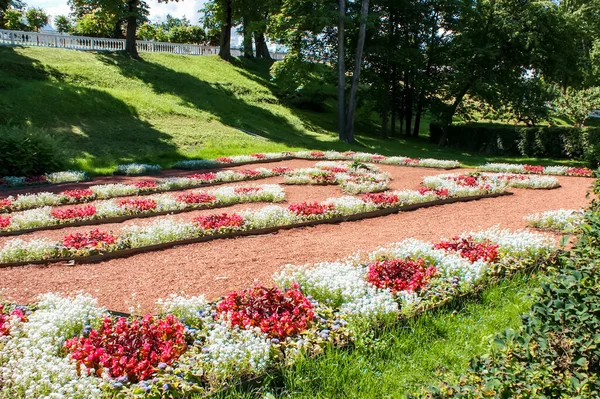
<point x="21" y="38"/>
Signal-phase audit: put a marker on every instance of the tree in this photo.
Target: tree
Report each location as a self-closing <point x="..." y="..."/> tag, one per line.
<point x="36" y="19"/>
<point x="225" y="43"/>
<point x="63" y="24"/>
<point x="342" y="72"/>
<point x="578" y="104"/>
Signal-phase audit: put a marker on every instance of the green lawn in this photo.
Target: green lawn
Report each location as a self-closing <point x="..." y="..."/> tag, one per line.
<point x="408" y="356"/>
<point x="106" y="109"/>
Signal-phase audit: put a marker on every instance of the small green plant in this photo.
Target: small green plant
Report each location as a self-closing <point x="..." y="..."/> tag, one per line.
<point x="27" y="152"/>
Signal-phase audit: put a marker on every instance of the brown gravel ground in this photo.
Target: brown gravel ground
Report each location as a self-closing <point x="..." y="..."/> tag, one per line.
<point x="215" y="268"/>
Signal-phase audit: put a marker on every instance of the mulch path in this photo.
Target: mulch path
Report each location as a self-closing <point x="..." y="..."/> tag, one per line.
<point x="217" y="267"/>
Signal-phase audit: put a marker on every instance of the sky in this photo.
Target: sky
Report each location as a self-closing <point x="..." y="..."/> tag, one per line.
<point x="189" y="8"/>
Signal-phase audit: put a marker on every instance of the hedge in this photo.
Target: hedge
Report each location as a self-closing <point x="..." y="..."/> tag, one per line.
<point x="540" y="142"/>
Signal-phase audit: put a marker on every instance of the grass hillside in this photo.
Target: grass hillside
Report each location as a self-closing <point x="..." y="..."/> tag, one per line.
<point x="105" y="109"/>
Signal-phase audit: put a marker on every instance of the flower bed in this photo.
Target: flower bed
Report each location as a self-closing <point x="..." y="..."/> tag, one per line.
<point x="108" y="211"/>
<point x="321" y="155"/>
<point x="475" y="181"/>
<point x="107" y="191"/>
<point x="168" y="231"/>
<point x="71" y="347"/>
<point x="69" y="176"/>
<point x="536" y="169"/>
<point x="353" y="179"/>
<point x="135" y="169"/>
<point x="562" y="220"/>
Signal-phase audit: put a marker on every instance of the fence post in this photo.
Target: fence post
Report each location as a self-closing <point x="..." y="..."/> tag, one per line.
<point x="12" y="38"/>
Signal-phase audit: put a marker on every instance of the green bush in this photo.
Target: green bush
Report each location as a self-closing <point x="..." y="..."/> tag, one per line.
<point x="540" y="142"/>
<point x="25" y="152"/>
<point x="556" y="354"/>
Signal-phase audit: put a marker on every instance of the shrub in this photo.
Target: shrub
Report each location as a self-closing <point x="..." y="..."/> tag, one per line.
<point x="25" y="152"/>
<point x="556" y="353"/>
<point x="542" y="141"/>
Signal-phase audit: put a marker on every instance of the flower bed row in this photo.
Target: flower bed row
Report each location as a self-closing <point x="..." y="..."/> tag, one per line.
<point x="70" y="347"/>
<point x="107" y="191"/>
<point x="69" y="176"/>
<point x="495" y="179"/>
<point x="562" y="220"/>
<point x="320" y="155"/>
<point x="112" y="211"/>
<point x="536" y="169"/>
<point x="353" y="179"/>
<point x="167" y="231"/>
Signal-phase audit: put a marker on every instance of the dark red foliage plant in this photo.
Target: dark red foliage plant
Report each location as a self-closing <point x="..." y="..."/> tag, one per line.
<point x="277" y="313"/>
<point x="310" y="208"/>
<point x="129" y="348"/>
<point x="81" y="212"/>
<point x="196" y="198"/>
<point x="471" y="249"/>
<point x="213" y="222"/>
<point x="400" y="274"/>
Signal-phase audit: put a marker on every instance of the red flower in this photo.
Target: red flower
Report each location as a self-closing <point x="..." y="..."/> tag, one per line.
<point x="5" y="221"/>
<point x="348" y="153"/>
<point x="335" y="169"/>
<point x="400" y="274"/>
<point x="281" y="170"/>
<point x="378" y="157"/>
<point x="5" y="205"/>
<point x="440" y="192"/>
<point x="310" y="208"/>
<point x="5" y="317"/>
<point x="95" y="239"/>
<point x="533" y="168"/>
<point x="470" y="249"/>
<point x="224" y="160"/>
<point x="133" y="349"/>
<point x="246" y="190"/>
<point x="74" y="213"/>
<point x="323" y="177"/>
<point x="142" y="184"/>
<point x="79" y="195"/>
<point x="196" y="198"/>
<point x="224" y="220"/>
<point x="579" y="172"/>
<point x="412" y="161"/>
<point x="249" y="173"/>
<point x="258" y="156"/>
<point x="279" y="314"/>
<point x="317" y="154"/>
<point x="467" y="180"/>
<point x="204" y="177"/>
<point x="36" y="179"/>
<point x="138" y="205"/>
<point x="381" y="198"/>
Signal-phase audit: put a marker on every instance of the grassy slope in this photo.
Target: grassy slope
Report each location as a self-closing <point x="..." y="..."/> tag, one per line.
<point x="107" y="109"/>
<point x="409" y="356"/>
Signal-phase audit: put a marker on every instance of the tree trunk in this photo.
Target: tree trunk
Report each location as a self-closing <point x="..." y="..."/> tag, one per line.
<point x="447" y="117"/>
<point x="341" y="72"/>
<point x="394" y="101"/>
<point x="247" y="38"/>
<point x="384" y="122"/>
<point x="408" y="103"/>
<point x="225" y="45"/>
<point x="130" y="46"/>
<point x="262" y="51"/>
<point x="418" y="116"/>
<point x="362" y="33"/>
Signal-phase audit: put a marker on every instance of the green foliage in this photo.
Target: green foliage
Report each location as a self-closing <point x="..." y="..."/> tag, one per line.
<point x="303" y="84"/>
<point x="63" y="24"/>
<point x="543" y="141"/>
<point x="26" y="152"/>
<point x="94" y="25"/>
<point x="13" y="20"/>
<point x="36" y="19"/>
<point x="146" y="32"/>
<point x="556" y="354"/>
<point x="578" y="104"/>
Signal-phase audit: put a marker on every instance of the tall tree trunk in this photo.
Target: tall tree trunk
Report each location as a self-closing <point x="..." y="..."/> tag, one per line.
<point x="262" y="51"/>
<point x="225" y="45"/>
<point x="449" y="114"/>
<point x="408" y="103"/>
<point x="130" y="46"/>
<point x="394" y="101"/>
<point x="247" y="38"/>
<point x="418" y="116"/>
<point x="341" y="72"/>
<point x="362" y="33"/>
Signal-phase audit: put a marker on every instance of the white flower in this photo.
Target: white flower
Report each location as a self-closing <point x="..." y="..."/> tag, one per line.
<point x="560" y="220"/>
<point x="66" y="176"/>
<point x="131" y="169"/>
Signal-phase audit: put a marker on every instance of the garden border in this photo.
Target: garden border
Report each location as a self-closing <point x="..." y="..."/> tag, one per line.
<point x="150" y="248"/>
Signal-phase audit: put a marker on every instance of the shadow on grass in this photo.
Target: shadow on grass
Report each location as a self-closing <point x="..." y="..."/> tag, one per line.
<point x="38" y="95"/>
